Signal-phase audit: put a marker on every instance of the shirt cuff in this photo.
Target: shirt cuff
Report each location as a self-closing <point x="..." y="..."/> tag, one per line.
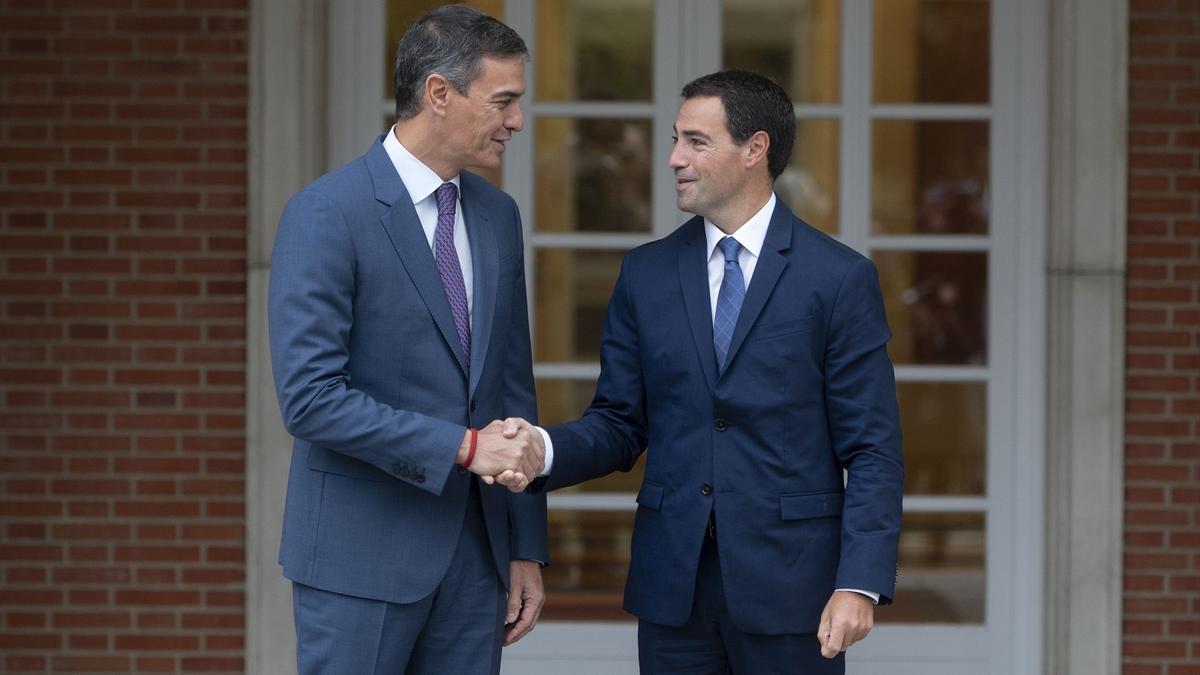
<point x="873" y="596"/>
<point x="549" y="459"/>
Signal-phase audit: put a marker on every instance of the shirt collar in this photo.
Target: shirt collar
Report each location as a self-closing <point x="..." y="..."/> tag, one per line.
<point x="420" y="180"/>
<point x="751" y="235"/>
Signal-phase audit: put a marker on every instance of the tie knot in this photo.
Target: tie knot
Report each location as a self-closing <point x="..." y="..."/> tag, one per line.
<point x="729" y="246"/>
<point x="446" y="194"/>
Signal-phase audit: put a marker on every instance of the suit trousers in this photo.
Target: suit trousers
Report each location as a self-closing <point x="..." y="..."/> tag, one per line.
<point x="456" y="629"/>
<point x="710" y="644"/>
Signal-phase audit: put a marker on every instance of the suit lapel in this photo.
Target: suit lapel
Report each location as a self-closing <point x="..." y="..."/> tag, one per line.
<point x="485" y="264"/>
<point x="408" y="239"/>
<point x="771" y="264"/>
<point x="693" y="277"/>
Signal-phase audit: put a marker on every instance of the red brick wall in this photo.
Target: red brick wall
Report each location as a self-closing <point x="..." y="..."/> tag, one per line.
<point x="122" y="334"/>
<point x="1162" y="424"/>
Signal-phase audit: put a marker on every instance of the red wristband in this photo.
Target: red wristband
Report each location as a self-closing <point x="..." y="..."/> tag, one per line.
<point x="471" y="451"/>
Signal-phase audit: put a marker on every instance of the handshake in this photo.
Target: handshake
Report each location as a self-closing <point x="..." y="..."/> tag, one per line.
<point x="509" y="452"/>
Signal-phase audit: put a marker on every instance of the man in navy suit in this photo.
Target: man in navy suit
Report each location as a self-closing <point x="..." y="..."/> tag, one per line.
<point x="398" y="329"/>
<point x="747" y="351"/>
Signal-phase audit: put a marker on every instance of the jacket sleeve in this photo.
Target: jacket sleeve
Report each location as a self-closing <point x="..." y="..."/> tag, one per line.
<point x="310" y="312"/>
<point x="860" y="397"/>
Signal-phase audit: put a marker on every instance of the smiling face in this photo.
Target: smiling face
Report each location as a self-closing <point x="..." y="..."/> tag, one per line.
<point x="483" y="120"/>
<point x="710" y="168"/>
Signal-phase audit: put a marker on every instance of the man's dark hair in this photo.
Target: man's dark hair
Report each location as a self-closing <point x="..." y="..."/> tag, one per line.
<point x="752" y="103"/>
<point x="450" y="41"/>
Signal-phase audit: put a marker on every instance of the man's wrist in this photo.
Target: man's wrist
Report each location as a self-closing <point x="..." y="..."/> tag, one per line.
<point x="464" y="448"/>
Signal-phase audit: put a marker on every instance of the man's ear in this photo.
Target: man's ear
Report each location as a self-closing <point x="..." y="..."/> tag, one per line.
<point x="756" y="148"/>
<point x="437" y="93"/>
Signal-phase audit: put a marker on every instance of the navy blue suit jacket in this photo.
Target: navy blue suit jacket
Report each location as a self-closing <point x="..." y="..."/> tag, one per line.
<point x="807" y="393"/>
<point x="373" y="384"/>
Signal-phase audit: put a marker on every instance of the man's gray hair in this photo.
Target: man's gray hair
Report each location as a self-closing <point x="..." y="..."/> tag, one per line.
<point x="450" y="41"/>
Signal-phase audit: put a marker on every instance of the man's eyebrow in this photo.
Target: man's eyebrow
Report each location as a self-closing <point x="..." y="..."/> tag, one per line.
<point x="507" y="94"/>
<point x="689" y="133"/>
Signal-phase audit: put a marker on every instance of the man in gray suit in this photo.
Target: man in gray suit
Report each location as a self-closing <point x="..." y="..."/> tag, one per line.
<point x="398" y="329"/>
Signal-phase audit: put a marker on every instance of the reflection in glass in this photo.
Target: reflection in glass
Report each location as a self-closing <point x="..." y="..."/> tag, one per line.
<point x="945" y="431"/>
<point x="401" y="14"/>
<point x="590" y="550"/>
<point x="931" y="51"/>
<point x="571" y="293"/>
<point x="942" y="574"/>
<point x="936" y="305"/>
<point x="794" y="43"/>
<point x="929" y="177"/>
<point x="588" y="50"/>
<point x="809" y="184"/>
<point x="592" y="175"/>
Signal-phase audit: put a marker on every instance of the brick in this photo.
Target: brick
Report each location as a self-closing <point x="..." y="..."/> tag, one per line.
<point x="169" y="598"/>
<point x="157" y="509"/>
<point x="233" y="664"/>
<point x="184" y="465"/>
<point x="91" y="664"/>
<point x="29" y="641"/>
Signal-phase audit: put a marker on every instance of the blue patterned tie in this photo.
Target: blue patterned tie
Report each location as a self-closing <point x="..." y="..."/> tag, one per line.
<point x="449" y="266"/>
<point x="729" y="300"/>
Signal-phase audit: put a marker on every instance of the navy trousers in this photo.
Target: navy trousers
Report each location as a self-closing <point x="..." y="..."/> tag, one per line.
<point x="709" y="644"/>
<point x="456" y="629"/>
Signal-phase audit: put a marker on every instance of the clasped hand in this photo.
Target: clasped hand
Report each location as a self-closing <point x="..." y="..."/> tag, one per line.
<point x="509" y="452"/>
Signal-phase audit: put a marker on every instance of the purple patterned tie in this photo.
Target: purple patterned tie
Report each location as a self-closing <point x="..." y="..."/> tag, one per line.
<point x="449" y="266"/>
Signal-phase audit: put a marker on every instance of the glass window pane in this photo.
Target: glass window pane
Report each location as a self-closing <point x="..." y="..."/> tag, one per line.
<point x="590" y="550"/>
<point x="942" y="576"/>
<point x="929" y="177"/>
<point x="932" y="51"/>
<point x="592" y="175"/>
<point x="809" y="185"/>
<point x="571" y="292"/>
<point x="594" y="50"/>
<point x="563" y="400"/>
<point x="794" y="43"/>
<point x="401" y="14"/>
<point x="936" y="305"/>
<point x="945" y="432"/>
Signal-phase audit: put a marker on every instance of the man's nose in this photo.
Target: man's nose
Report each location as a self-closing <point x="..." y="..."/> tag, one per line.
<point x="516" y="118"/>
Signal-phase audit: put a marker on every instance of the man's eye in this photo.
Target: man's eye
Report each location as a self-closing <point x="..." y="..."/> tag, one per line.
<point x="674" y="139"/>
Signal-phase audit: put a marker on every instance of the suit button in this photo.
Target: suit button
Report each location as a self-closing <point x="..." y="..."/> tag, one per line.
<point x="397" y="469"/>
<point x="472" y="405"/>
<point x="706" y="489"/>
<point x="721" y="424"/>
<point x="405" y="472"/>
<point x="420" y="478"/>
